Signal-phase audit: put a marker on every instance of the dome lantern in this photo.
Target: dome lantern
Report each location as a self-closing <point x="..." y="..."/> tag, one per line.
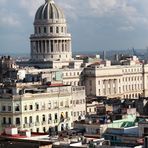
<point x="49" y="1"/>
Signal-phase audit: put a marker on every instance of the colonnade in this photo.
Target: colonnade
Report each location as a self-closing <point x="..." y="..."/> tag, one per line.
<point x="110" y="86"/>
<point x="49" y="46"/>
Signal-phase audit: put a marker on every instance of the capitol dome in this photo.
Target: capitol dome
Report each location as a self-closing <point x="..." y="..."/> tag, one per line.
<point x="49" y="11"/>
<point x="51" y="40"/>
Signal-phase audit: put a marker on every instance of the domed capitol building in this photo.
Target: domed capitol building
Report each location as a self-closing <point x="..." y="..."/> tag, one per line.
<point x="50" y="41"/>
<point x="48" y="92"/>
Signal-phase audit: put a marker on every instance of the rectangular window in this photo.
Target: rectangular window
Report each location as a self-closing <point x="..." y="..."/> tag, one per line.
<point x="57" y="29"/>
<point x="61" y="103"/>
<point x="51" y="43"/>
<point x="17" y="121"/>
<point x="9" y="120"/>
<point x="3" y="108"/>
<point x="4" y="120"/>
<point x="45" y="30"/>
<point x="51" y="29"/>
<point x="30" y="107"/>
<point x="61" y="29"/>
<point x="74" y="114"/>
<point x="70" y="101"/>
<point x="77" y="101"/>
<point x="9" y="108"/>
<point x="55" y="116"/>
<point x="25" y="107"/>
<point x="17" y="108"/>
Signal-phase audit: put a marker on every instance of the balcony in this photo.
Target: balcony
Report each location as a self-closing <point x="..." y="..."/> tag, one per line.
<point x="56" y="107"/>
<point x="66" y="106"/>
<point x="31" y="124"/>
<point x="37" y="124"/>
<point x="56" y="121"/>
<point x="5" y="125"/>
<point x="50" y="122"/>
<point x="26" y="125"/>
<point x="43" y="122"/>
<point x="68" y="118"/>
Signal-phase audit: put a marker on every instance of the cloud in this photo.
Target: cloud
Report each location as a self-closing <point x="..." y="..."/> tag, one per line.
<point x="3" y="2"/>
<point x="31" y="6"/>
<point x="126" y="28"/>
<point x="8" y="19"/>
<point x="93" y="23"/>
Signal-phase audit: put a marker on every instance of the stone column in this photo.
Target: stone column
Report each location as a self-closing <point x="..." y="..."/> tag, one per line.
<point x="40" y="46"/>
<point x="116" y="86"/>
<point x="36" y="46"/>
<point x="51" y="46"/>
<point x="46" y="46"/>
<point x="112" y="88"/>
<point x="47" y="43"/>
<point x="66" y="46"/>
<point x="106" y="87"/>
<point x="60" y="47"/>
<point x="44" y="51"/>
<point x="54" y="46"/>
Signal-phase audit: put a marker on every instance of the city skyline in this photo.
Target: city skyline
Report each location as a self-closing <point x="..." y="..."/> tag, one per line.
<point x="120" y="24"/>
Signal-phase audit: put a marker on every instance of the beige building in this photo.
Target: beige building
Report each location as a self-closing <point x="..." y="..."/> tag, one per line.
<point x="40" y="108"/>
<point x="120" y="81"/>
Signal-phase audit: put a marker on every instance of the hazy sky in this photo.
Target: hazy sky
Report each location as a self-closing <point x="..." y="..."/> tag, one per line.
<point x="94" y="24"/>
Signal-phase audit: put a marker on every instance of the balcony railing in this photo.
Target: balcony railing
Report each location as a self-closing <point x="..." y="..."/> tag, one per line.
<point x="37" y="124"/>
<point x="43" y="122"/>
<point x="56" y="121"/>
<point x="31" y="124"/>
<point x="26" y="125"/>
<point x="50" y="122"/>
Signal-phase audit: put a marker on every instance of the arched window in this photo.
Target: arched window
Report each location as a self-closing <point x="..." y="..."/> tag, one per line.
<point x="50" y="117"/>
<point x="37" y="118"/>
<point x="30" y="119"/>
<point x="66" y="114"/>
<point x="43" y="118"/>
<point x="25" y="120"/>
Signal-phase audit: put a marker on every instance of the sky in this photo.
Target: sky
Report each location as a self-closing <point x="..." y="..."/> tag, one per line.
<point x="95" y="25"/>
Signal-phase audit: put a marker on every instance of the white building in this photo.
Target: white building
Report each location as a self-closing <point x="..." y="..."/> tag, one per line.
<point x="39" y="108"/>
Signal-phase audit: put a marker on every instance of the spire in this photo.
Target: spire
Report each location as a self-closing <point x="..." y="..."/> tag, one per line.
<point x="49" y="1"/>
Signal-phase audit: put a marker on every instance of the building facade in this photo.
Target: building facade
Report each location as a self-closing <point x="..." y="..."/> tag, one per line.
<point x="119" y="81"/>
<point x="41" y="108"/>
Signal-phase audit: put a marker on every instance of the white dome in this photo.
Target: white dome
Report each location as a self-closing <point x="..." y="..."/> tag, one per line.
<point x="51" y="40"/>
<point x="49" y="11"/>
